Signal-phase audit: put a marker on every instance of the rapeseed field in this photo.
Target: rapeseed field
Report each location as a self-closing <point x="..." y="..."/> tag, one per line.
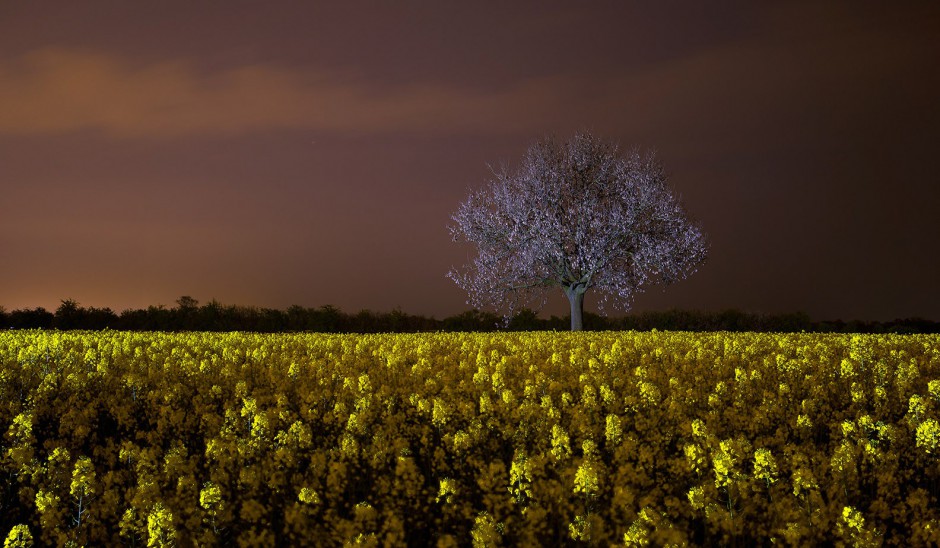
<point x="451" y="439"/>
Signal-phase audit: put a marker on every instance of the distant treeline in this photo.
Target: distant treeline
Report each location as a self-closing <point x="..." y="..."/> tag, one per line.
<point x="188" y="315"/>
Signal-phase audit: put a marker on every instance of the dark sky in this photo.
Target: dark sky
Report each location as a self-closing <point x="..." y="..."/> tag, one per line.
<point x="278" y="153"/>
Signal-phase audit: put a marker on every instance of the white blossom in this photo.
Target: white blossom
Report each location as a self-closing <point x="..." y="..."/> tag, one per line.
<point x="579" y="216"/>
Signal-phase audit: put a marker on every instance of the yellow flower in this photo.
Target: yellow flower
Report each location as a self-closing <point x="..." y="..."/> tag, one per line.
<point x="22" y="427"/>
<point x="486" y="532"/>
<point x="649" y="392"/>
<point x="349" y="447"/>
<point x="613" y="430"/>
<point x="82" y="477"/>
<point x="210" y="498"/>
<point x="765" y="467"/>
<point x="858" y="393"/>
<point x="424" y="405"/>
<point x="160" y="530"/>
<point x="308" y="496"/>
<point x="561" y="449"/>
<point x="448" y="490"/>
<point x="723" y="464"/>
<point x="928" y="435"/>
<point x="934" y="388"/>
<point x="580" y="528"/>
<point x="639" y="532"/>
<point x="461" y="441"/>
<point x="19" y="537"/>
<point x="249" y="408"/>
<point x="585" y="479"/>
<point x="520" y="478"/>
<point x="498" y="382"/>
<point x="440" y="413"/>
<point x="59" y="456"/>
<point x="695" y="456"/>
<point x="45" y="501"/>
<point x="696" y="497"/>
<point x="365" y="384"/>
<point x="847" y="368"/>
<point x="486" y="405"/>
<point x="916" y="406"/>
<point x="853" y="518"/>
<point x="588" y="396"/>
<point x="803" y="481"/>
<point x="843" y="459"/>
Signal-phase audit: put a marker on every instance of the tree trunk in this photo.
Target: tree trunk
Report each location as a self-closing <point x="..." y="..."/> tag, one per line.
<point x="576" y="299"/>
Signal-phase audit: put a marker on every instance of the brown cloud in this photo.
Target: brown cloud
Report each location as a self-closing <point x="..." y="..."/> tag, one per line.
<point x="57" y="90"/>
<point x="732" y="89"/>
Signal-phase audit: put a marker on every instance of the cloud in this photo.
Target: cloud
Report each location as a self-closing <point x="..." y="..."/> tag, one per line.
<point x="56" y="90"/>
<point x="736" y="90"/>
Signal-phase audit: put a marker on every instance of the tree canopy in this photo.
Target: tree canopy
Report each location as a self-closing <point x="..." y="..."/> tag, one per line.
<point x="578" y="215"/>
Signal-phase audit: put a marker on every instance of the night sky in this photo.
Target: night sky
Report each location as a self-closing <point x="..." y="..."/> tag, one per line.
<point x="311" y="153"/>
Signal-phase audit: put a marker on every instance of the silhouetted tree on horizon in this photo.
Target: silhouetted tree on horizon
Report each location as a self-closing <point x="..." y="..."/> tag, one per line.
<point x="215" y="316"/>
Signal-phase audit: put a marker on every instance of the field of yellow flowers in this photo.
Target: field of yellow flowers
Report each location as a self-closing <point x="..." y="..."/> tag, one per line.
<point x="629" y="438"/>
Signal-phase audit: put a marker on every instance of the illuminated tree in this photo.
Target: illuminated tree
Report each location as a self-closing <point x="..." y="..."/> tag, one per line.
<point x="580" y="216"/>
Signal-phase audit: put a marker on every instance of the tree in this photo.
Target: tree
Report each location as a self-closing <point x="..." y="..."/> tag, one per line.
<point x="187" y="303"/>
<point x="579" y="216"/>
<point x="68" y="315"/>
